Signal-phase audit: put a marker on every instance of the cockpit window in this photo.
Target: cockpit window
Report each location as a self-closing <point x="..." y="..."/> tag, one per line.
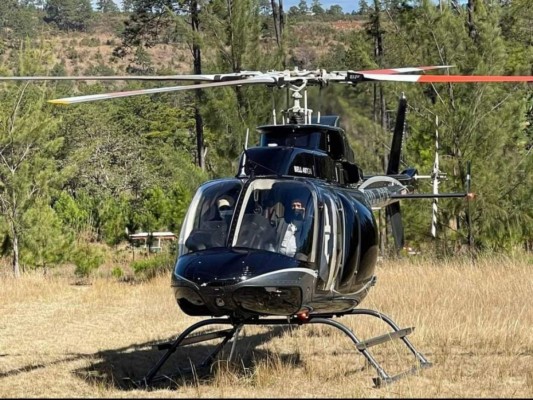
<point x="277" y="216"/>
<point x="303" y="139"/>
<point x="207" y="222"/>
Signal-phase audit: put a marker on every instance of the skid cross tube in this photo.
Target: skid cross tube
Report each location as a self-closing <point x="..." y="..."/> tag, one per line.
<point x="183" y="340"/>
<point x="327" y="319"/>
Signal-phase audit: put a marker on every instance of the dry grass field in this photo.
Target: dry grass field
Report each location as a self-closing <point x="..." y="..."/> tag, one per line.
<point x="473" y="322"/>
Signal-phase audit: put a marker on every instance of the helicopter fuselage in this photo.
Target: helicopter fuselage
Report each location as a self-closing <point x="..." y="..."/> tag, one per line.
<point x="332" y="274"/>
<point x="240" y="264"/>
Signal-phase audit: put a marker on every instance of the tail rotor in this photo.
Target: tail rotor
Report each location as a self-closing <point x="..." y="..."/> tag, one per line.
<point x="435" y="176"/>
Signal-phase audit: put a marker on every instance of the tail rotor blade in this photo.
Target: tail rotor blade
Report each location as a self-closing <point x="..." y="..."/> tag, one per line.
<point x="435" y="177"/>
<point x="434" y="218"/>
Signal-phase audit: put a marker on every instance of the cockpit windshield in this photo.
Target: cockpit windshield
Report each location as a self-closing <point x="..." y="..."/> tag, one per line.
<point x="207" y="222"/>
<point x="278" y="216"/>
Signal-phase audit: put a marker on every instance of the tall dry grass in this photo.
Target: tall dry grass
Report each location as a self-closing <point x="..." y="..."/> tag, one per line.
<point x="474" y="322"/>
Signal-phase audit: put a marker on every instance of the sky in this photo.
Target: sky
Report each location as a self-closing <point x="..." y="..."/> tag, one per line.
<point x="347" y="5"/>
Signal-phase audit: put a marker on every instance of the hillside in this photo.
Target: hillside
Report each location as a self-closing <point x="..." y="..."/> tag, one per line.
<point x="90" y="52"/>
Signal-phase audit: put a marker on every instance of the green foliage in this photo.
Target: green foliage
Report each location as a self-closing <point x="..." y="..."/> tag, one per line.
<point x="90" y="42"/>
<point x="45" y="242"/>
<point x="117" y="273"/>
<point x="316" y="7"/>
<point x="17" y="21"/>
<point x="106" y="6"/>
<point x="478" y="122"/>
<point x="154" y="210"/>
<point x="86" y="258"/>
<point x="100" y="69"/>
<point x="154" y="265"/>
<point x="69" y="15"/>
<point x="113" y="217"/>
<point x="28" y="168"/>
<point x="335" y="10"/>
<point x="129" y="164"/>
<point x="70" y="212"/>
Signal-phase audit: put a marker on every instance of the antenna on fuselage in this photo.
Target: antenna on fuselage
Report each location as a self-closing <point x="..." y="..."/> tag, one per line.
<point x="243" y="173"/>
<point x="273" y="108"/>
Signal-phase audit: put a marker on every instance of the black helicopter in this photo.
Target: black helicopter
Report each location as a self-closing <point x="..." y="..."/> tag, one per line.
<point x="292" y="235"/>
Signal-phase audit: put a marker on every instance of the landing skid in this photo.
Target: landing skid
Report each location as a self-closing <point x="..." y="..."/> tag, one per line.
<point x="231" y="335"/>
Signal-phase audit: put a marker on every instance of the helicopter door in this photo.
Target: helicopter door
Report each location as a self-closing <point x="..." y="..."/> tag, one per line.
<point x="341" y="233"/>
<point x="329" y="265"/>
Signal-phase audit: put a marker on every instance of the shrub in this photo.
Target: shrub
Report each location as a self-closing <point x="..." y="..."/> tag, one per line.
<point x="90" y="42"/>
<point x="152" y="266"/>
<point x="117" y="272"/>
<point x="86" y="259"/>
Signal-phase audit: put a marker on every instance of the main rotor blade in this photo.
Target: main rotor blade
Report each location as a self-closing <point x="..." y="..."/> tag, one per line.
<point x="447" y="78"/>
<point x="403" y="70"/>
<point x="217" y="77"/>
<point x="113" y="95"/>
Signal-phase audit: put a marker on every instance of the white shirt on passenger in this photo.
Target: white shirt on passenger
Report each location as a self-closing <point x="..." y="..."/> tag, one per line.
<point x="288" y="243"/>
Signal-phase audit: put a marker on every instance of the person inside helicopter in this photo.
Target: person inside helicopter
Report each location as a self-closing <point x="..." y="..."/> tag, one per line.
<point x="225" y="208"/>
<point x="290" y="228"/>
<point x="256" y="230"/>
<point x="266" y="212"/>
<point x="213" y="224"/>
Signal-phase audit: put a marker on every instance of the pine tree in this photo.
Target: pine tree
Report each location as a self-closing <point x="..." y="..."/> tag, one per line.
<point x="69" y="15"/>
<point x="106" y="6"/>
<point x="478" y="122"/>
<point x="28" y="144"/>
<point x="45" y="242"/>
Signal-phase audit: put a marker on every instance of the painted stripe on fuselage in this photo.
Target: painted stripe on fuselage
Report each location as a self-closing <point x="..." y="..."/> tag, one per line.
<point x="284" y="271"/>
<point x="280" y="271"/>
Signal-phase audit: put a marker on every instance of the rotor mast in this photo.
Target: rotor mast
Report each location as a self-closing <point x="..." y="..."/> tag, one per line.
<point x="297" y="114"/>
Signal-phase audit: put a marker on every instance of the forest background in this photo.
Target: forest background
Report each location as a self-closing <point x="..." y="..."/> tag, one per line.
<point x="76" y="181"/>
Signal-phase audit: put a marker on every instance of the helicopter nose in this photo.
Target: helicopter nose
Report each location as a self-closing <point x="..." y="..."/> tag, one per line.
<point x="223" y="267"/>
<point x="250" y="281"/>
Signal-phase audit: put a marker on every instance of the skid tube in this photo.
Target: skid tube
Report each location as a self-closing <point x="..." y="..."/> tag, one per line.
<point x="231" y="335"/>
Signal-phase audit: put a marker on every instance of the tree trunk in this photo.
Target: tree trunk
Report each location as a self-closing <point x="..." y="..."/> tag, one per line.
<point x="197" y="62"/>
<point x="279" y="24"/>
<point x="470" y="23"/>
<point x="381" y="111"/>
<point x="16" y="265"/>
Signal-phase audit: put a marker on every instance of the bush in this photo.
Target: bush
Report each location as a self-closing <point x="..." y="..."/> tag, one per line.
<point x="72" y="54"/>
<point x="90" y="42"/>
<point x="86" y="259"/>
<point x="117" y="272"/>
<point x="148" y="268"/>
